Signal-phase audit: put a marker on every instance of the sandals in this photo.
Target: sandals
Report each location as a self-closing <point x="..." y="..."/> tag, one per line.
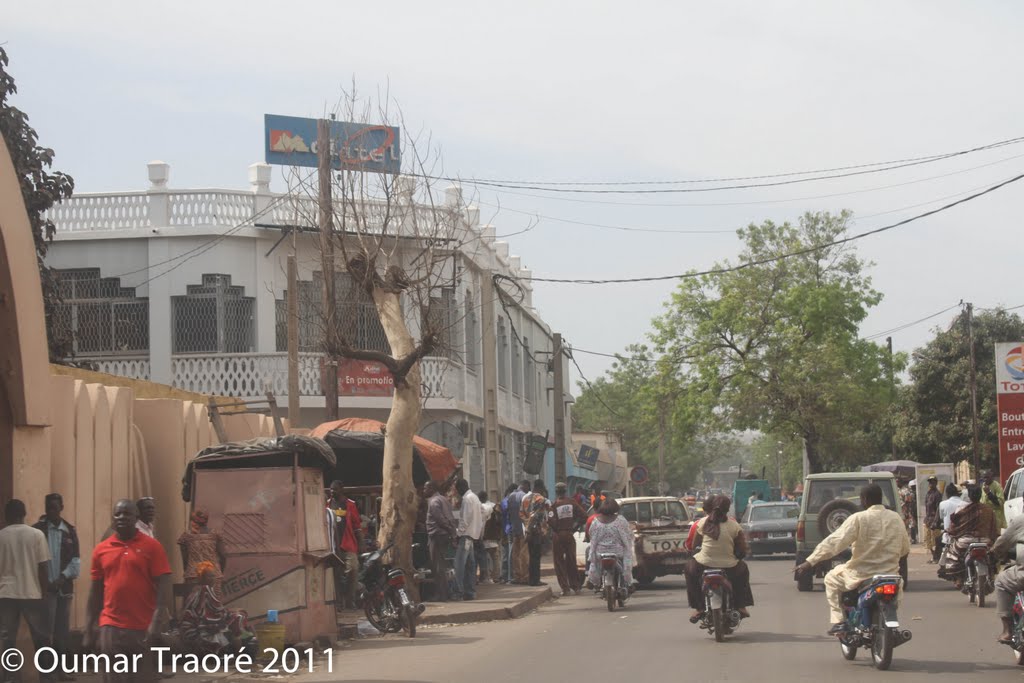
<point x="694" y="618"/>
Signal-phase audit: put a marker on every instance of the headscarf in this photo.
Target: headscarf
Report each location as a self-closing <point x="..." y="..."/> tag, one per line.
<point x="199" y="519"/>
<point x="718" y="512"/>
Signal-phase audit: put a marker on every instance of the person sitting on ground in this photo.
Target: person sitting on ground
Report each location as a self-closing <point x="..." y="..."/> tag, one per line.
<point x="610" y="533"/>
<point x="206" y="625"/>
<point x="722" y="546"/>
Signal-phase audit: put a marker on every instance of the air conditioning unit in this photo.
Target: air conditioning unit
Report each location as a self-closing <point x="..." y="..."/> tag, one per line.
<point x="466" y="427"/>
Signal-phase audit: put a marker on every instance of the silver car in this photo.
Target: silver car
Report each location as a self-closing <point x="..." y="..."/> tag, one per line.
<point x="771" y="527"/>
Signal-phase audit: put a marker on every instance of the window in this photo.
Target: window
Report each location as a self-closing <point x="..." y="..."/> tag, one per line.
<point x="517" y="367"/>
<point x="101" y="316"/>
<point x="628" y="511"/>
<point x="440" y="319"/>
<point x="214" y="317"/>
<point x="355" y="314"/>
<point x="502" y="354"/>
<point x="529" y="388"/>
<point x="824" y="491"/>
<point x="472" y="335"/>
<point x="764" y="513"/>
<point x="1012" y="487"/>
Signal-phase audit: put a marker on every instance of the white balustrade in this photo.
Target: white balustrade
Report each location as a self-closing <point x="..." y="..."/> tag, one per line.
<point x="136" y="368"/>
<point x="442" y="378"/>
<point x="213" y="207"/>
<point x="101" y="211"/>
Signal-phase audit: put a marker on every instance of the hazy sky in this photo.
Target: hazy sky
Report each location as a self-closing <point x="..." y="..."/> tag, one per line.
<point x="554" y="91"/>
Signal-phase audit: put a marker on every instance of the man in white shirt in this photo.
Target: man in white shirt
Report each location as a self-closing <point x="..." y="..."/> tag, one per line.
<point x="952" y="504"/>
<point x="879" y="539"/>
<point x="471" y="528"/>
<point x="24" y="579"/>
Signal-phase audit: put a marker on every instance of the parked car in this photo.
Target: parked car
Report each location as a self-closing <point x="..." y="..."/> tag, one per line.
<point x="1013" y="505"/>
<point x="828" y="499"/>
<point x="660" y="527"/>
<point x="771" y="527"/>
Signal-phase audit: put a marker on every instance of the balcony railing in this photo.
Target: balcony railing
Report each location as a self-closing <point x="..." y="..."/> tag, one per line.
<point x="250" y="375"/>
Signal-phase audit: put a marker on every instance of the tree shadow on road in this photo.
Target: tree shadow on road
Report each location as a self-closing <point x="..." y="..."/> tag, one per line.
<point x="767" y="637"/>
<point x="424" y="638"/>
<point x="919" y="666"/>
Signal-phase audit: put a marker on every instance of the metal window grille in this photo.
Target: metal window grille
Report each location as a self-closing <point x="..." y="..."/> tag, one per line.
<point x="517" y="367"/>
<point x="502" y="354"/>
<point x="529" y="388"/>
<point x="102" y="316"/>
<point x="440" y="319"/>
<point x="472" y="335"/>
<point x="214" y="317"/>
<point x="355" y="314"/>
<point x="245" y="532"/>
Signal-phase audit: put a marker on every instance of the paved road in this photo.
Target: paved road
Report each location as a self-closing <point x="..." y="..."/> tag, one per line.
<point x="652" y="641"/>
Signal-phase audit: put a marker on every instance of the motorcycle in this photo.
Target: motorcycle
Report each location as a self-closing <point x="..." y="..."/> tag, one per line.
<point x="720" y="618"/>
<point x="386" y="602"/>
<point x="978" y="580"/>
<point x="871" y="620"/>
<point x="613" y="581"/>
<point x="1017" y="632"/>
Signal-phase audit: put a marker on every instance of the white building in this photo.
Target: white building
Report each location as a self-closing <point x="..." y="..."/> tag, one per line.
<point x="188" y="288"/>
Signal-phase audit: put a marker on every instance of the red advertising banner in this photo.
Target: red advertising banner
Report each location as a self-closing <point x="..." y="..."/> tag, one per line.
<point x="364" y="378"/>
<point x="1010" y="407"/>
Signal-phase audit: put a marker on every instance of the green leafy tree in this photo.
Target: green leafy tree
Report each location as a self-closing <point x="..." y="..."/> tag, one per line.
<point x="933" y="419"/>
<point x="41" y="189"/>
<point x="772" y="343"/>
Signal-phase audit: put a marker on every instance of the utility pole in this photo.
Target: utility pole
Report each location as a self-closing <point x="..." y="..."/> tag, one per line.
<point x="330" y="370"/>
<point x="661" y="451"/>
<point x="559" y="407"/>
<point x="892" y="389"/>
<point x="974" y="390"/>
<point x="293" y="340"/>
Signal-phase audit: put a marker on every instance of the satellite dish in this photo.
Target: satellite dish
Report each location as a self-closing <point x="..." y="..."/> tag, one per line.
<point x="445" y="434"/>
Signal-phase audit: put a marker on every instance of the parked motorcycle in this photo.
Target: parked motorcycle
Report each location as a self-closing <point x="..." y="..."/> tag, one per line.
<point x="386" y="601"/>
<point x="871" y="620"/>
<point x="720" y="617"/>
<point x="613" y="581"/>
<point x="978" y="581"/>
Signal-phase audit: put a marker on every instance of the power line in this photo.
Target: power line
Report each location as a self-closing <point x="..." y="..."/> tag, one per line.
<point x="837" y="172"/>
<point x="772" y="259"/>
<point x="590" y="386"/>
<point x="754" y="202"/>
<point x="904" y="326"/>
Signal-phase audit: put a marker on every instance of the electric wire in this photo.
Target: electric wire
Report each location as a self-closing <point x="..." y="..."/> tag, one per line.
<point x="892" y="162"/>
<point x="773" y="259"/>
<point x="899" y="328"/>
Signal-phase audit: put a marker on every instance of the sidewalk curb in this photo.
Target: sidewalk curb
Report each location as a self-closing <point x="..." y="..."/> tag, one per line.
<point x="513" y="611"/>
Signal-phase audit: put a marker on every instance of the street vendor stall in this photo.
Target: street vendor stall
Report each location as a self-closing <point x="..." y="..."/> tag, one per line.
<point x="265" y="497"/>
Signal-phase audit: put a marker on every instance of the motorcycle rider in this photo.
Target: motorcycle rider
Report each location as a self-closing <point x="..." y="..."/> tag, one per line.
<point x="610" y="533"/>
<point x="1011" y="580"/>
<point x="722" y="546"/>
<point x="879" y="540"/>
<point x="973" y="523"/>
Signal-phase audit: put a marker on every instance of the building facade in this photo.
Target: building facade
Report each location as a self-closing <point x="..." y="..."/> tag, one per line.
<point x="189" y="288"/>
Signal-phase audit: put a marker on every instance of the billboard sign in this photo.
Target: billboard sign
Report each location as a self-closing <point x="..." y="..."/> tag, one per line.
<point x="292" y="141"/>
<point x="1010" y="407"/>
<point x="362" y="378"/>
<point x="587" y="457"/>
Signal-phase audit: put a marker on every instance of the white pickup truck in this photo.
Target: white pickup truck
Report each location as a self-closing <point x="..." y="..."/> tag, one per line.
<point x="1014" y="505"/>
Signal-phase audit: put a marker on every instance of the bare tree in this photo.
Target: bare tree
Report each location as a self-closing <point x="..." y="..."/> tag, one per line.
<point x="392" y="244"/>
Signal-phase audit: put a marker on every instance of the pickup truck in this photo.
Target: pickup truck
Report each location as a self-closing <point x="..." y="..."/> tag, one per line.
<point x="660" y="527"/>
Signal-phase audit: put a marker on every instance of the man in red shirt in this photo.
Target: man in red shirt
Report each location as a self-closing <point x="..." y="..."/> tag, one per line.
<point x="345" y="531"/>
<point x="131" y="582"/>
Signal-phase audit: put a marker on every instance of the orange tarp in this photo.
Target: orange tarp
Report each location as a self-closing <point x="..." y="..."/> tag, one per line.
<point x="438" y="460"/>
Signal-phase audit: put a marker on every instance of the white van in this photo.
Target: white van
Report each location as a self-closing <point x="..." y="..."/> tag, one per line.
<point x="1013" y="505"/>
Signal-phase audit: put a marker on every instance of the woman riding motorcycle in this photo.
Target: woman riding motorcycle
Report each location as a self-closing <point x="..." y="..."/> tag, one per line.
<point x="610" y="533"/>
<point x="722" y="545"/>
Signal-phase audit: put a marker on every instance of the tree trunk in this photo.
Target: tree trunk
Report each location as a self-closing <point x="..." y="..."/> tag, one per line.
<point x="399" y="502"/>
<point x="812" y="444"/>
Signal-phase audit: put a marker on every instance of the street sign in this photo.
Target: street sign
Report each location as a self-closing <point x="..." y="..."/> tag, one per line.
<point x="292" y="141"/>
<point x="639" y="475"/>
<point x="587" y="456"/>
<point x="1010" y="407"/>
